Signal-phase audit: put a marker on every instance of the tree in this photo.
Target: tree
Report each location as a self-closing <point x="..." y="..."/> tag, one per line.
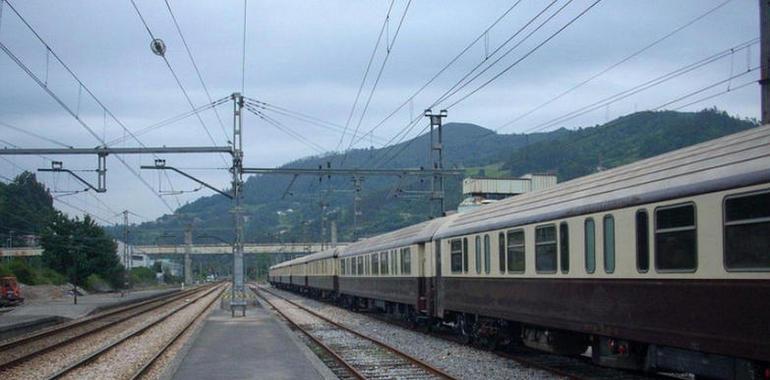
<point x="79" y="248"/>
<point x="26" y="207"/>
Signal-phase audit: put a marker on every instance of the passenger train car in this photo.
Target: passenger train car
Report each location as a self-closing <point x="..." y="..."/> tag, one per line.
<point x="663" y="264"/>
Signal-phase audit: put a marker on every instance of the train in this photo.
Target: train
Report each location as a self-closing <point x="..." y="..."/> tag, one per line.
<point x="658" y="265"/>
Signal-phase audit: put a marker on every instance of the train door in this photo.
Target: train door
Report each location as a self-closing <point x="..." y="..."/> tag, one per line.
<point x="422" y="296"/>
<point x="436" y="280"/>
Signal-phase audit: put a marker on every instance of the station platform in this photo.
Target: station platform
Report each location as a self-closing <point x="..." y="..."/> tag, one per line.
<point x="257" y="346"/>
<point x="36" y="315"/>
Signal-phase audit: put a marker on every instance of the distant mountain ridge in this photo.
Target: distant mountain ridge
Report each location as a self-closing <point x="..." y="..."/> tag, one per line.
<point x="477" y="150"/>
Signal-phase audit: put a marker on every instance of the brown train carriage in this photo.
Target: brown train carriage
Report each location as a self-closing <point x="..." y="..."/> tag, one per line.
<point x="663" y="264"/>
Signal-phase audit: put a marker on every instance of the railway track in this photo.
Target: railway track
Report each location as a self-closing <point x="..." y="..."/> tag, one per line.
<point x="579" y="368"/>
<point x="26" y="356"/>
<point x="359" y="356"/>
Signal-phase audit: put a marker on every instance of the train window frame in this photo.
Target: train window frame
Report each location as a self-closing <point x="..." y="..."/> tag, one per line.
<point x="487" y="254"/>
<point x="477" y="254"/>
<point x="609" y="247"/>
<point x="465" y="255"/>
<point x="742" y="222"/>
<point x="375" y="264"/>
<point x="646" y="239"/>
<point x="564" y="247"/>
<point x="554" y="243"/>
<point x="655" y="237"/>
<point x="456" y="253"/>
<point x="406" y="261"/>
<point x="384" y="270"/>
<point x="501" y="248"/>
<point x="592" y="268"/>
<point x="523" y="247"/>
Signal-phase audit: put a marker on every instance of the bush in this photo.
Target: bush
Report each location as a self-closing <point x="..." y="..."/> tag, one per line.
<point x="23" y="272"/>
<point x="50" y="276"/>
<point x="142" y="276"/>
<point x="95" y="283"/>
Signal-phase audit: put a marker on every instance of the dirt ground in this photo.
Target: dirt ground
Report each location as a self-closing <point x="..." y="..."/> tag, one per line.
<point x="43" y="293"/>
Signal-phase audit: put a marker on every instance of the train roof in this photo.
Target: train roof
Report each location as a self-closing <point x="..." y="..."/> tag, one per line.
<point x="307" y="258"/>
<point x="740" y="159"/>
<point x="417" y="233"/>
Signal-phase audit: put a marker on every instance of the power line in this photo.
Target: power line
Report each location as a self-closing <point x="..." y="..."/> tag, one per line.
<point x="366" y="74"/>
<point x="441" y="71"/>
<point x="538" y="46"/>
<point x="178" y="81"/>
<point x="379" y="76"/>
<point x="278" y="125"/>
<point x="44" y="86"/>
<point x="616" y="64"/>
<point x="408" y="128"/>
<point x="29" y="133"/>
<point x="195" y="65"/>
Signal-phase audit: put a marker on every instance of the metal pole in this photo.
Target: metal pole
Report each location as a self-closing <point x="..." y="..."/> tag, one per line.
<point x="187" y="252"/>
<point x="437" y="184"/>
<point x="126" y="256"/>
<point x="238" y="283"/>
<point x="764" y="80"/>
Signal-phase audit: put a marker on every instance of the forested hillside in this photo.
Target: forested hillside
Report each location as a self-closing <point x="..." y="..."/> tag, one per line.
<point x="275" y="214"/>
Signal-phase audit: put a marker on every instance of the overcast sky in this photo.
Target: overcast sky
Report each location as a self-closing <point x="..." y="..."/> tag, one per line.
<point x="310" y="57"/>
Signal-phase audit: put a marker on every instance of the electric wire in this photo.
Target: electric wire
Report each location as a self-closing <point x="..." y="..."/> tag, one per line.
<point x="537" y="47"/>
<point x="44" y="86"/>
<point x="403" y="133"/>
<point x="285" y="129"/>
<point x="366" y="74"/>
<point x="195" y="66"/>
<point x="243" y="59"/>
<point x="616" y="64"/>
<point x="379" y="76"/>
<point x="178" y="81"/>
<point x="33" y="134"/>
<point x="441" y="71"/>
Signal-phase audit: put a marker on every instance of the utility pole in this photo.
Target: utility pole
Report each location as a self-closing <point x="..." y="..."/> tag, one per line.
<point x="357" y="180"/>
<point x="334" y="233"/>
<point x="126" y="255"/>
<point x="187" y="252"/>
<point x="437" y="156"/>
<point x="764" y="41"/>
<point x="238" y="288"/>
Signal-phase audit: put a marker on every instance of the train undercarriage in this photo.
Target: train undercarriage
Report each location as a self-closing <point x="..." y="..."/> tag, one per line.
<point x="499" y="334"/>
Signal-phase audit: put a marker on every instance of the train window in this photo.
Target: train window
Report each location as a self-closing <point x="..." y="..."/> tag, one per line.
<point x="456" y="255"/>
<point x="478" y="255"/>
<point x="360" y="265"/>
<point x="642" y="241"/>
<point x="487" y="254"/>
<point x="675" y="238"/>
<point x="609" y="243"/>
<point x="384" y="262"/>
<point x="747" y="232"/>
<point x="465" y="255"/>
<point x="545" y="249"/>
<point x="564" y="247"/>
<point x="393" y="261"/>
<point x="516" y="251"/>
<point x="406" y="261"/>
<point x="590" y="245"/>
<point x="367" y="265"/>
<point x="376" y="263"/>
<point x="501" y="251"/>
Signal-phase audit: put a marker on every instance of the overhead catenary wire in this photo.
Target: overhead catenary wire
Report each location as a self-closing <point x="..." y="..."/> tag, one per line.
<point x="379" y="76"/>
<point x="243" y="51"/>
<point x="499" y="74"/>
<point x="195" y="66"/>
<point x="44" y="86"/>
<point x="278" y="125"/>
<point x="616" y="64"/>
<point x="530" y="52"/>
<point x="441" y="71"/>
<point x="178" y="81"/>
<point x="366" y="74"/>
<point x="404" y="132"/>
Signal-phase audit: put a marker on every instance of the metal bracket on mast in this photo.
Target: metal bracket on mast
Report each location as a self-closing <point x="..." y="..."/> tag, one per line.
<point x="101" y="187"/>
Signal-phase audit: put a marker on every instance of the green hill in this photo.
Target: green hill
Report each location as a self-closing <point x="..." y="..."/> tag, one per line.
<point x="567" y="153"/>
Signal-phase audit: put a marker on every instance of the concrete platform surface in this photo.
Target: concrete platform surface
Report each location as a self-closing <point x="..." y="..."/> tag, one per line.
<point x="256" y="346"/>
<point x="28" y="316"/>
